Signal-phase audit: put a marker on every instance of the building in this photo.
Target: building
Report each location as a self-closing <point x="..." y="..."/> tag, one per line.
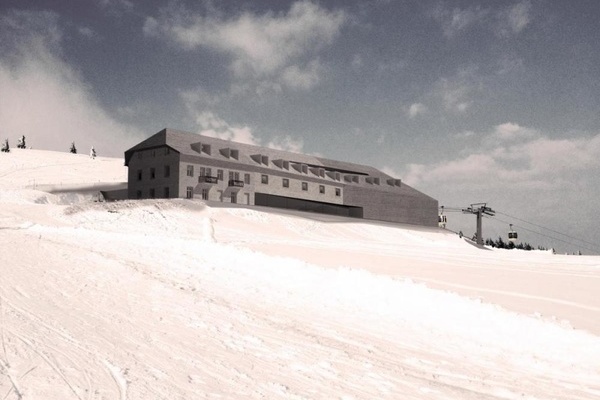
<point x="175" y="164"/>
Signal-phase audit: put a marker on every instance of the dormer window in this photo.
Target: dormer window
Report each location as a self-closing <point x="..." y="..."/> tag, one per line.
<point x="230" y="153"/>
<point x="201" y="148"/>
<point x="260" y="159"/>
<point x="351" y="178"/>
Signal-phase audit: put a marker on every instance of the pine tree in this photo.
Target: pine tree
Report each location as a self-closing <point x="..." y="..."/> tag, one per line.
<point x="5" y="147"/>
<point x="21" y="142"/>
<point x="73" y="148"/>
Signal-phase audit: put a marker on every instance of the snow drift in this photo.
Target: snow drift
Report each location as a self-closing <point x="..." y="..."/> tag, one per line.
<point x="177" y="299"/>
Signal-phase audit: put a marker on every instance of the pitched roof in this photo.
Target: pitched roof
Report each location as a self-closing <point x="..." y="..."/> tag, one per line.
<point x="182" y="142"/>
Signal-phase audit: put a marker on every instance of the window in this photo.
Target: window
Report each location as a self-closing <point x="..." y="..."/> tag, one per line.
<point x="204" y="194"/>
<point x="322" y="189"/>
<point x="167" y="192"/>
<point x="202" y="170"/>
<point x="220" y="174"/>
<point x="338" y="192"/>
<point x="167" y="171"/>
<point x="189" y="193"/>
<point x="152" y="173"/>
<point x="304" y="186"/>
<point x="230" y="175"/>
<point x="208" y="171"/>
<point x="264" y="179"/>
<point x="286" y="183"/>
<point x="139" y="174"/>
<point x="233" y="198"/>
<point x="152" y="194"/>
<point x="190" y="170"/>
<point x="138" y="194"/>
<point x="247" y="179"/>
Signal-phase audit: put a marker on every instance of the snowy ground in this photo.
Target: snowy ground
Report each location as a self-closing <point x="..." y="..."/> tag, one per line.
<point x="179" y="300"/>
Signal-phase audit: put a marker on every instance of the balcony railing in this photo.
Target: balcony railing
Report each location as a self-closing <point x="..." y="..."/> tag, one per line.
<point x="236" y="183"/>
<point x="208" y="179"/>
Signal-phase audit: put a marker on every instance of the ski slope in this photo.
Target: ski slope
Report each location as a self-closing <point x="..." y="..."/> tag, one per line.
<point x="177" y="299"/>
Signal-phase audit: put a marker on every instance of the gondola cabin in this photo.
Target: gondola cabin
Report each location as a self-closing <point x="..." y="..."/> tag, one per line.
<point x="442" y="220"/>
<point x="512" y="235"/>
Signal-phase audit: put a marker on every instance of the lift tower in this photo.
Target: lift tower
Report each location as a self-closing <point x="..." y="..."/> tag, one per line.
<point x="479" y="209"/>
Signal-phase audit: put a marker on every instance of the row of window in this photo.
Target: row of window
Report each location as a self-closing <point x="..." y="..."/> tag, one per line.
<point x="264" y="179"/>
<point x="166" y="173"/>
<point x="154" y="152"/>
<point x="233" y="176"/>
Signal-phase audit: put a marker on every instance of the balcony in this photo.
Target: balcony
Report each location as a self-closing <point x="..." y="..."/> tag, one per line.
<point x="236" y="183"/>
<point x="208" y="179"/>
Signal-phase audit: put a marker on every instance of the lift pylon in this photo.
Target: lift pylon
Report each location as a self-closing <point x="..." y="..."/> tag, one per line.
<point x="479" y="209"/>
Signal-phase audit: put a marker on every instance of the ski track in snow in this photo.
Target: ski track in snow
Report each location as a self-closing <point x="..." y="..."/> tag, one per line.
<point x="176" y="300"/>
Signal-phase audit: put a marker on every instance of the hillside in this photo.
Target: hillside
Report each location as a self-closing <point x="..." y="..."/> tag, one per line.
<point x="176" y="299"/>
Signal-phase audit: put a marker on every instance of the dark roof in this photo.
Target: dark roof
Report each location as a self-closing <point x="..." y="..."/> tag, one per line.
<point x="182" y="142"/>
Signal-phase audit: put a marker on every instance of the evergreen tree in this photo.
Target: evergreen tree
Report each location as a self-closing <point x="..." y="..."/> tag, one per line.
<point x="500" y="243"/>
<point x="21" y="143"/>
<point x="5" y="147"/>
<point x="73" y="149"/>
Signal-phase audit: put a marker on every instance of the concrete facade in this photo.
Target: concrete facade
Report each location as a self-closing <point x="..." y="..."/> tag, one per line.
<point x="175" y="164"/>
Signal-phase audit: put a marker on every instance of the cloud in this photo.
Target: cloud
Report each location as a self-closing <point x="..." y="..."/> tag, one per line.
<point x="510" y="131"/>
<point x="514" y="19"/>
<point x="457" y="20"/>
<point x="278" y="48"/>
<point x="87" y="32"/>
<point x="504" y="22"/>
<point x="198" y="102"/>
<point x="511" y="155"/>
<point x="44" y="98"/>
<point x="211" y="125"/>
<point x="416" y="109"/>
<point x="454" y="94"/>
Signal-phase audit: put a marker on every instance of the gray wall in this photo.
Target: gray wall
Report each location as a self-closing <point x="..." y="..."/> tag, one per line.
<point x="400" y="204"/>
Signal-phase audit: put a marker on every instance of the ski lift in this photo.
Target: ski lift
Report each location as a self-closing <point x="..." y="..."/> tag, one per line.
<point x="442" y="220"/>
<point x="512" y="235"/>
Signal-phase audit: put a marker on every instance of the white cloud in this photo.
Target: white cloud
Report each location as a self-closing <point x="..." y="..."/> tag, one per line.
<point x="510" y="131"/>
<point x="302" y="77"/>
<point x="44" y="98"/>
<point x="211" y="125"/>
<point x="357" y="62"/>
<point x="457" y="20"/>
<point x="455" y="95"/>
<point x="504" y="22"/>
<point x="416" y="109"/>
<point x="514" y="19"/>
<point x="509" y="63"/>
<point x="513" y="155"/>
<point x="278" y="48"/>
<point x="87" y="32"/>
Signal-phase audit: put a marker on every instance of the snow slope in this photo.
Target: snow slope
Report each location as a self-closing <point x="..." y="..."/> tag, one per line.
<point x="174" y="299"/>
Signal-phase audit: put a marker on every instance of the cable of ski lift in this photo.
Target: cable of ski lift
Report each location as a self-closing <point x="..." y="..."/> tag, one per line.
<point x="550" y="237"/>
<point x="548" y="229"/>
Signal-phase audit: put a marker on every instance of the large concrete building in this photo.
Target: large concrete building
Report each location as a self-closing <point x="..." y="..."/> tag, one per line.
<point x="175" y="164"/>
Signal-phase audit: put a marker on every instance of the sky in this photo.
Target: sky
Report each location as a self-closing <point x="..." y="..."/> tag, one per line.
<point x="466" y="101"/>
